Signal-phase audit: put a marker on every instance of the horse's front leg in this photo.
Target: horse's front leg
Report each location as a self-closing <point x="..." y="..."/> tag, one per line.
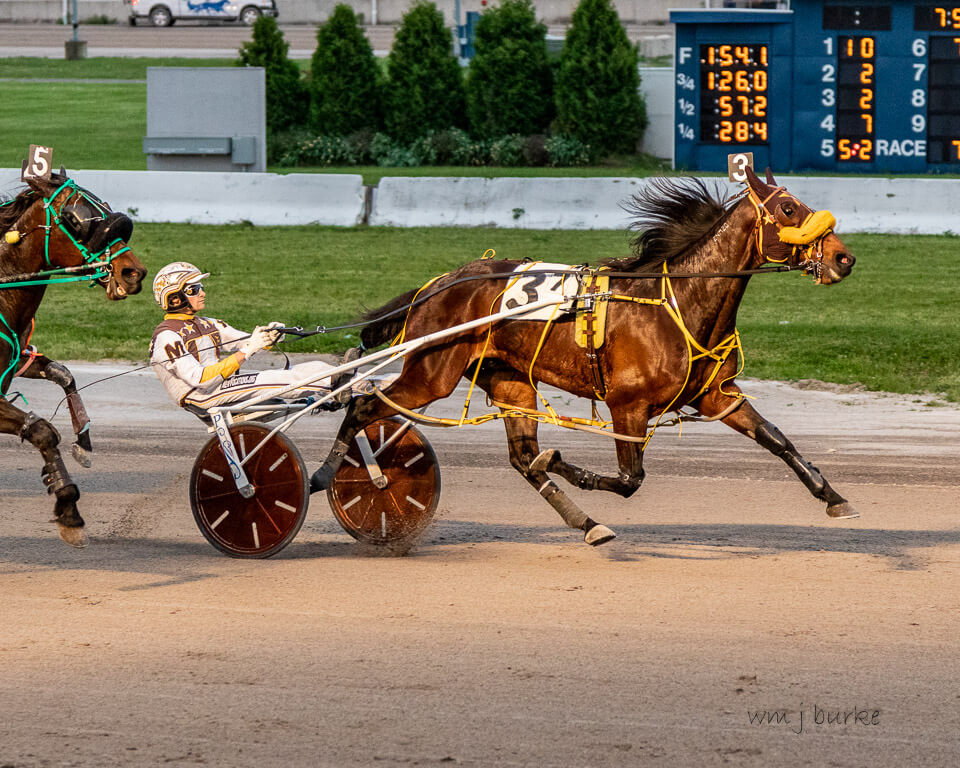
<point x="44" y="437"/>
<point x="42" y="367"/>
<point x="747" y="421"/>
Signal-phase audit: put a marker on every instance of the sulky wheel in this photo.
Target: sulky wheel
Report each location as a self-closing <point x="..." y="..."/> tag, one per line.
<point x="266" y="522"/>
<point x="397" y="514"/>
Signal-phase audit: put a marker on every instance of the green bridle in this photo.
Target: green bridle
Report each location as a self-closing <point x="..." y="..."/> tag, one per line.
<point x="95" y="267"/>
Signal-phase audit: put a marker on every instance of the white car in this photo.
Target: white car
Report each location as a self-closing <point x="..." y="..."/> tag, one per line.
<point x="162" y="13"/>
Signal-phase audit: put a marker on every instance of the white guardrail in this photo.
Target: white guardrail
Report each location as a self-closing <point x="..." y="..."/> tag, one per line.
<point x="895" y="206"/>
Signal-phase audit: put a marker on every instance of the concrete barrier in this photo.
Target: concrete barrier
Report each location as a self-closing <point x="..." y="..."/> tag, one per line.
<point x="223" y="198"/>
<point x="895" y="206"/>
<point x="508" y="202"/>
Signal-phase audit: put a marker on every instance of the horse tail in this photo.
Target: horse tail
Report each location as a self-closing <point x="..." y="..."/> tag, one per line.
<point x="385" y="323"/>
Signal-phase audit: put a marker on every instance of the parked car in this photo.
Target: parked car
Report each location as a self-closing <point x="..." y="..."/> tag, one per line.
<point x="163" y="13"/>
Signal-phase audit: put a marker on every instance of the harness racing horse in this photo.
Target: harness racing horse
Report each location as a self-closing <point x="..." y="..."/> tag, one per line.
<point x="669" y="343"/>
<point x="55" y="232"/>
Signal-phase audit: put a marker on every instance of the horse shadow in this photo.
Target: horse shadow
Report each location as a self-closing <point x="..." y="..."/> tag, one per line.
<point x="637" y="542"/>
<point x="177" y="562"/>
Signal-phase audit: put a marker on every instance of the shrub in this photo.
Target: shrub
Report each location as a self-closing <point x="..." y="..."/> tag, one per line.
<point x="509" y="84"/>
<point x="597" y="94"/>
<point x="508" y="150"/>
<point x="344" y="77"/>
<point x="320" y="150"/>
<point x="566" y="151"/>
<point x="283" y="143"/>
<point x="388" y="153"/>
<point x="286" y="91"/>
<point x="535" y="150"/>
<point x="425" y="86"/>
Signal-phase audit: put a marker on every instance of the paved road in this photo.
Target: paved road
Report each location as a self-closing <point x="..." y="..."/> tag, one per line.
<point x="502" y="640"/>
<point x="191" y="40"/>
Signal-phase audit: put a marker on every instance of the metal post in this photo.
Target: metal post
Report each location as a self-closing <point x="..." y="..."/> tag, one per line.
<point x="75" y="48"/>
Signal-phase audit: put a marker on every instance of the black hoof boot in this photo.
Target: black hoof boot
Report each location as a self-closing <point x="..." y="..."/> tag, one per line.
<point x="321" y="479"/>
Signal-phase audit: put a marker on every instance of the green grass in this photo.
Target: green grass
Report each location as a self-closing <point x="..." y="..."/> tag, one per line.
<point x="891" y="326"/>
<point x="104" y="67"/>
<point x="88" y="126"/>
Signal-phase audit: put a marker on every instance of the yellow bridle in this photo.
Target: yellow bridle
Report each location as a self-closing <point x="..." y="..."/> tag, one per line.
<point x="807" y="238"/>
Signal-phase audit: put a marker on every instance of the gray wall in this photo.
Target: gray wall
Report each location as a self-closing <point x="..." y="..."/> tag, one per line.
<point x="387" y="11"/>
<point x="206" y="102"/>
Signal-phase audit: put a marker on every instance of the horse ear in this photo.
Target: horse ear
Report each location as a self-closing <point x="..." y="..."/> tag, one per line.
<point x="770" y="180"/>
<point x="755" y="184"/>
<point x="63" y="171"/>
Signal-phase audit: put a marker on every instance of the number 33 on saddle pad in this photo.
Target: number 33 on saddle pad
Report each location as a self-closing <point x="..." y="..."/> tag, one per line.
<point x="537" y="287"/>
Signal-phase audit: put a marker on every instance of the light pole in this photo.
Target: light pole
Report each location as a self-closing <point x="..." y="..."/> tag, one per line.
<point x="75" y="48"/>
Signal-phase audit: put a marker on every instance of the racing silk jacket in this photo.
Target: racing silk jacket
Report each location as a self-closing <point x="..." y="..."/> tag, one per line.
<point x="185" y="353"/>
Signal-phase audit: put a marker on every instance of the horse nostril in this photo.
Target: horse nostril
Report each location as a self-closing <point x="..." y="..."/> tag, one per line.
<point x="846" y="260"/>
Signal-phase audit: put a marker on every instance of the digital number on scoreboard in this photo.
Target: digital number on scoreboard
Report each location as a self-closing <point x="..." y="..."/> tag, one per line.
<point x="821" y="85"/>
<point x="733" y="94"/>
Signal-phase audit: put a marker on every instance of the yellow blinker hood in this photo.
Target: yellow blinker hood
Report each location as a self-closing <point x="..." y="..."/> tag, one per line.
<point x="815" y="226"/>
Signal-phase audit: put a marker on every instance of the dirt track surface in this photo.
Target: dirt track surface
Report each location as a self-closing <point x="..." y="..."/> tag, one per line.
<point x="503" y="639"/>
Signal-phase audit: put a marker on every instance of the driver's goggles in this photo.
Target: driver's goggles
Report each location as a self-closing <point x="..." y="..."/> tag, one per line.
<point x="193" y="289"/>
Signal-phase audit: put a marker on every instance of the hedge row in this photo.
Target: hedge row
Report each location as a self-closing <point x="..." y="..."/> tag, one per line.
<point x="513" y="105"/>
<point x="448" y="147"/>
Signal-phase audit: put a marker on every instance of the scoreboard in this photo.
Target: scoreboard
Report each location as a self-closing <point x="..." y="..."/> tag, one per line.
<point x="832" y="85"/>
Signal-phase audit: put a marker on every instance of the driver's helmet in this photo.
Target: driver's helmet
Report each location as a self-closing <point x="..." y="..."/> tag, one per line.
<point x="170" y="281"/>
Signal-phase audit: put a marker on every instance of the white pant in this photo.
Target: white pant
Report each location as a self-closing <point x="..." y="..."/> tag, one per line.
<point x="245" y="386"/>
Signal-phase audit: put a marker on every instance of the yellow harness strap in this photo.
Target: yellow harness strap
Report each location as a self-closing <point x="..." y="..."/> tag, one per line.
<point x="592" y="310"/>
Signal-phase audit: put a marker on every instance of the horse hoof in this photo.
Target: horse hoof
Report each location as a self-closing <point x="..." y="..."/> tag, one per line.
<point x="598" y="535"/>
<point x="842" y="511"/>
<point x="81" y="456"/>
<point x="321" y="479"/>
<point x="543" y="460"/>
<point x="75" y="537"/>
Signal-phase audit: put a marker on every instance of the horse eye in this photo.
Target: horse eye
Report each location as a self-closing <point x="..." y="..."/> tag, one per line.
<point x="787" y="210"/>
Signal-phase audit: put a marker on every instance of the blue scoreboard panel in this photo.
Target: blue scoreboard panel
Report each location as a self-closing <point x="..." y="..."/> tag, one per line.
<point x="827" y="85"/>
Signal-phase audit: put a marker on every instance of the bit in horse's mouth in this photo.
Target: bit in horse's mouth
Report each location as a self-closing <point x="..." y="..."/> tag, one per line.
<point x="120" y="290"/>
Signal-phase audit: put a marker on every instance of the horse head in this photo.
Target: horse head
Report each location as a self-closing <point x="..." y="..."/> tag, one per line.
<point x="790" y="232"/>
<point x="82" y="229"/>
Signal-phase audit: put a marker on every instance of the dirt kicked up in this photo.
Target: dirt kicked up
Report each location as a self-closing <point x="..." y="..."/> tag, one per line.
<point x="730" y="623"/>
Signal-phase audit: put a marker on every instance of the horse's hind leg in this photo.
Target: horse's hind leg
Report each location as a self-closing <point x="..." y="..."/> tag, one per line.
<point x="414" y="388"/>
<point x="626" y="421"/>
<point x="42" y="435"/>
<point x="523" y="447"/>
<point x="747" y="421"/>
<point x="42" y="367"/>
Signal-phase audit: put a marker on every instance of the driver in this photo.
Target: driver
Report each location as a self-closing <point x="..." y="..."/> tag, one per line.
<point x="198" y="358"/>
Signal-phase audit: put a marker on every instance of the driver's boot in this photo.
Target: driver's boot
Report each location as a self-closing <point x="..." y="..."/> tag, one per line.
<point x="351" y="355"/>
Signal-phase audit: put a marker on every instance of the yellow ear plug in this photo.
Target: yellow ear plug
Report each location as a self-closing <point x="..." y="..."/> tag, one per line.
<point x="12" y="237"/>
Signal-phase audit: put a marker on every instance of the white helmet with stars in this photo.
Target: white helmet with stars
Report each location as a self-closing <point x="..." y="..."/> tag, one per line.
<point x="170" y="281"/>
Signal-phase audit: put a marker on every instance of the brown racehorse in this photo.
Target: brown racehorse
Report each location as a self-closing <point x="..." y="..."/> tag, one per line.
<point x="648" y="364"/>
<point x="55" y="231"/>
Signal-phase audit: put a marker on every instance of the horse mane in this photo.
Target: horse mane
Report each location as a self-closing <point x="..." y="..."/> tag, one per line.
<point x="13" y="207"/>
<point x="671" y="216"/>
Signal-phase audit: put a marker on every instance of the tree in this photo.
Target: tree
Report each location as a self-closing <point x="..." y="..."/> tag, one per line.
<point x="425" y="87"/>
<point x="287" y="98"/>
<point x="509" y="85"/>
<point x="344" y="77"/>
<point x="597" y="89"/>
